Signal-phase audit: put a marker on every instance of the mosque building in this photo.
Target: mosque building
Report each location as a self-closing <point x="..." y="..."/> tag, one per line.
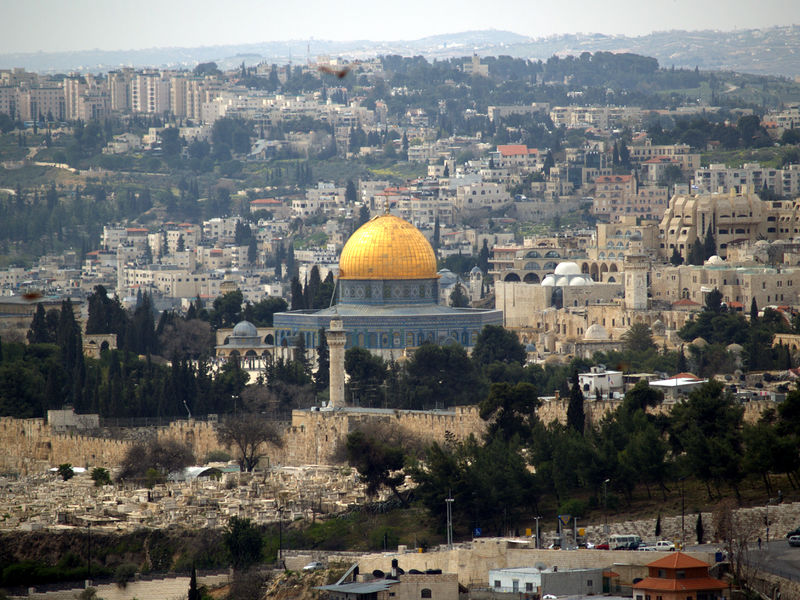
<point x="388" y="293"/>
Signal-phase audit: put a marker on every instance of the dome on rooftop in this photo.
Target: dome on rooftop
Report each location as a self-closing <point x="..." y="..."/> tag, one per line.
<point x="596" y="333"/>
<point x="385" y="248"/>
<point x="567" y="268"/>
<point x="244" y="329"/>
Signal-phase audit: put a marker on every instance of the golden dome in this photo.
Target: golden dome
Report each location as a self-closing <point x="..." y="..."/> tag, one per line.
<point x="387" y="247"/>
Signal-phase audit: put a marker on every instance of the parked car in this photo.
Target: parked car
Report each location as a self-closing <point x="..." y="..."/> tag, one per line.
<point x="794" y="540"/>
<point x="795" y="531"/>
<point x="603" y="546"/>
<point x="314" y="566"/>
<point x="647" y="547"/>
<point x="664" y="545"/>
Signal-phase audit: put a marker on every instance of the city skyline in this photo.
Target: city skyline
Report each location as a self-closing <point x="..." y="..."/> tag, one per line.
<point x="49" y="26"/>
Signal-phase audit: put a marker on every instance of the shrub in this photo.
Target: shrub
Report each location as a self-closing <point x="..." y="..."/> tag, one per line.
<point x="574" y="507"/>
<point x="124" y="574"/>
<point x="101" y="476"/>
<point x="66" y="472"/>
<point x="218" y="456"/>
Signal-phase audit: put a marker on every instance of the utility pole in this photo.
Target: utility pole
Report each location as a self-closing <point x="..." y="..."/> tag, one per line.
<point x="683" y="512"/>
<point x="449" y="502"/>
<point x="605" y="507"/>
<point x="538" y="543"/>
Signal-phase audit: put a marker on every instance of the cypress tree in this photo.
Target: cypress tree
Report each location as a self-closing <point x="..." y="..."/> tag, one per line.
<point x="753" y="310"/>
<point x="699" y="528"/>
<point x="322" y="376"/>
<point x="575" y="412"/>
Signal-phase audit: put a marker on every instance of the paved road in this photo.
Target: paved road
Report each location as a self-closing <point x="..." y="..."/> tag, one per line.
<point x="777" y="557"/>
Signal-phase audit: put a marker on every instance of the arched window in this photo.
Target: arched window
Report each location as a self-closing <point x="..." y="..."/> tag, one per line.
<point x="425" y="593"/>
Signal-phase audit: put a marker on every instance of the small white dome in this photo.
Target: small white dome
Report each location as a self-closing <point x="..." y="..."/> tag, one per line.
<point x="549" y="280"/>
<point x="563" y="280"/>
<point x="596" y="332"/>
<point x="577" y="281"/>
<point x="715" y="260"/>
<point x="568" y="268"/>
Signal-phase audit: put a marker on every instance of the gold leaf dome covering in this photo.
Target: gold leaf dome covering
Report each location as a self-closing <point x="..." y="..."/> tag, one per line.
<point x="387" y="247"/>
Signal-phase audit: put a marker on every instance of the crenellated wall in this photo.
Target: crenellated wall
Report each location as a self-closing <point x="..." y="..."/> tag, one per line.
<point x="30" y="445"/>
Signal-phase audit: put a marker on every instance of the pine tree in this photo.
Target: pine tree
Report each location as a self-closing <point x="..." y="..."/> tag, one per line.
<point x="709" y="244"/>
<point x="699" y="528"/>
<point x="575" y="413"/>
<point x="676" y="259"/>
<point x="38" y="332"/>
<point x="483" y="257"/>
<point x="194" y="592"/>
<point x="296" y="291"/>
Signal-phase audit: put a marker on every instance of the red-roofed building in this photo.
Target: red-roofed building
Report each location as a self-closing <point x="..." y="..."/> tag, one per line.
<point x="679" y="577"/>
<point x="515" y="155"/>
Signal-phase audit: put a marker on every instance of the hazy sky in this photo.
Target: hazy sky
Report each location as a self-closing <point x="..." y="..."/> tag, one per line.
<point x="55" y="25"/>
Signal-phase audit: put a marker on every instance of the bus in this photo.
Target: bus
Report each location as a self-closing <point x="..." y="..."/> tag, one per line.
<point x="624" y="542"/>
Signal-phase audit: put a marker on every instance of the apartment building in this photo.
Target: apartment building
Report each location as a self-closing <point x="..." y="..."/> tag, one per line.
<point x="733" y="217"/>
<point x="480" y="195"/>
<point x="680" y="153"/>
<point x="498" y="112"/>
<point x="150" y="93"/>
<point x="720" y="178"/>
<point x="618" y="195"/>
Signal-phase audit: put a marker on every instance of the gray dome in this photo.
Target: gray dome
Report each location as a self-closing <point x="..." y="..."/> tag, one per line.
<point x="244" y="329"/>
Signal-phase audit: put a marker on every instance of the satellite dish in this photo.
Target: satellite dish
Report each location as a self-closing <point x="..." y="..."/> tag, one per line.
<point x="378" y="574"/>
<point x="541" y="566"/>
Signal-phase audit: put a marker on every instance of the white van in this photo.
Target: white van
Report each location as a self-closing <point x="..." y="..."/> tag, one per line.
<point x="624" y="542"/>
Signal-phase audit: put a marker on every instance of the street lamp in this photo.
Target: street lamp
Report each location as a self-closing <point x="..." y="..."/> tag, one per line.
<point x="605" y="507"/>
<point x="537" y="532"/>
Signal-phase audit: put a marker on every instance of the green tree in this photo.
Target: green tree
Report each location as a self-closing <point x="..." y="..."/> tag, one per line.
<point x="497" y="344"/>
<point x="576" y="416"/>
<point x="66" y="472"/>
<point x="322" y="374"/>
<point x="379" y="464"/>
<point x="442" y="375"/>
<point x="699" y="529"/>
<point x="706" y="431"/>
<point x="350" y="192"/>
<point x="676" y="259"/>
<point x="243" y="542"/>
<point x="227" y="310"/>
<point x="194" y="592"/>
<point x="510" y="411"/>
<point x="101" y="477"/>
<point x="638" y="338"/>
<point x="458" y="298"/>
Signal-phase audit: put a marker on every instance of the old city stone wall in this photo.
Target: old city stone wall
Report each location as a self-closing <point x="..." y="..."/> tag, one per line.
<point x="30" y="445"/>
<point x="313" y="435"/>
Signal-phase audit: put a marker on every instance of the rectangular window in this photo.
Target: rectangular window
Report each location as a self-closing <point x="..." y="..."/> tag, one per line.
<point x="497" y="583"/>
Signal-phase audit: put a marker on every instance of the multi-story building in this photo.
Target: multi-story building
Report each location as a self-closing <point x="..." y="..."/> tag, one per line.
<point x="732" y="217"/>
<point x="150" y="93"/>
<point x="680" y="153"/>
<point x="618" y="195"/>
<point x="481" y="195"/>
<point x="720" y="178"/>
<point x="738" y="285"/>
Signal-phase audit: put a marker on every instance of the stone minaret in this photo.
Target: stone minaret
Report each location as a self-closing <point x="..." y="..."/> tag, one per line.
<point x="336" y="340"/>
<point x="635" y="275"/>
